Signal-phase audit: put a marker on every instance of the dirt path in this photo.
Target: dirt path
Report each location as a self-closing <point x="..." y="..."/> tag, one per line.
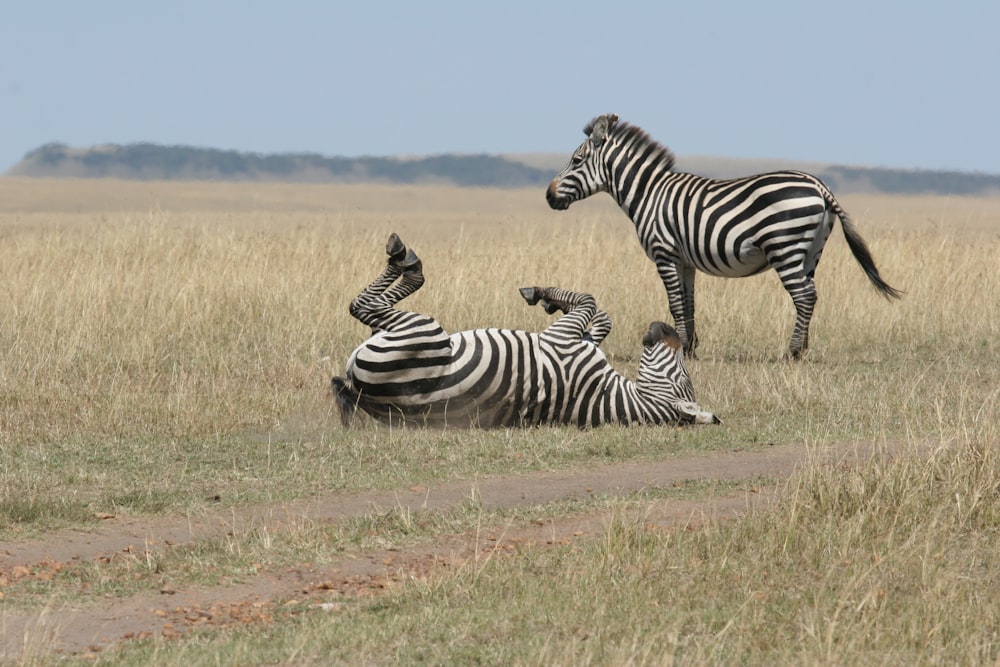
<point x="171" y="612"/>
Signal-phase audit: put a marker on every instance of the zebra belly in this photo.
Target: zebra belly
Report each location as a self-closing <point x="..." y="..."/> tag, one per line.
<point x="749" y="260"/>
<point x="486" y="377"/>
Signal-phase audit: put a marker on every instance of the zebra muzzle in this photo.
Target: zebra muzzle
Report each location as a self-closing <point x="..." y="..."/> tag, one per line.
<point x="555" y="201"/>
<point x="661" y="332"/>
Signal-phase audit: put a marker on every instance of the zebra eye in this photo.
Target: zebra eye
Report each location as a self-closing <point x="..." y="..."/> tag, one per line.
<point x="578" y="158"/>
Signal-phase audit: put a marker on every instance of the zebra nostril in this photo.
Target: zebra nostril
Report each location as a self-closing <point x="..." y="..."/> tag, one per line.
<point x="555" y="201"/>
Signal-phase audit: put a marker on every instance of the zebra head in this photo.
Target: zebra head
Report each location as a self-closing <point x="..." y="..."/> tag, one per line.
<point x="663" y="378"/>
<point x="587" y="171"/>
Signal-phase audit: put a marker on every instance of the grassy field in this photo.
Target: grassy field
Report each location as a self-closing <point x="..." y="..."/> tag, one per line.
<point x="167" y="347"/>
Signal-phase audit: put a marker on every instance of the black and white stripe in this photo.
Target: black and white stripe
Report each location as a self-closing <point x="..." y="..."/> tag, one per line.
<point x="412" y="371"/>
<point x="731" y="228"/>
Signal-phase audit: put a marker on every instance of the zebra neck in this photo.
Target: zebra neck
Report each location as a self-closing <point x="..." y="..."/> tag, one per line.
<point x="628" y="402"/>
<point x="635" y="178"/>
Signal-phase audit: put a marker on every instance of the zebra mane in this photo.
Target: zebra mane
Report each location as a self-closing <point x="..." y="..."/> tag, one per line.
<point x="589" y="127"/>
<point x="637" y="136"/>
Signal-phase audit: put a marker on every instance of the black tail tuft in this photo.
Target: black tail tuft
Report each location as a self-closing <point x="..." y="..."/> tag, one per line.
<point x="864" y="256"/>
<point x="346" y="397"/>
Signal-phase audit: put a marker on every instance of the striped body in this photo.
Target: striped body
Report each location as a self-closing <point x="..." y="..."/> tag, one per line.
<point x="411" y="370"/>
<point x="729" y="228"/>
<point x="496" y="377"/>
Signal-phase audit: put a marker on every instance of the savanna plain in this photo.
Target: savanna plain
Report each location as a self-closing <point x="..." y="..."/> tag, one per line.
<point x="165" y="355"/>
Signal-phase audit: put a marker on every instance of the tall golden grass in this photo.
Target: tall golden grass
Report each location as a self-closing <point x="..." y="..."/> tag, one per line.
<point x="193" y="309"/>
<point x="160" y="343"/>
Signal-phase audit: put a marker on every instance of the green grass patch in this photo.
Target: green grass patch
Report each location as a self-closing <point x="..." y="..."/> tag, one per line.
<point x="237" y="556"/>
<point x="894" y="560"/>
<point x="21" y="512"/>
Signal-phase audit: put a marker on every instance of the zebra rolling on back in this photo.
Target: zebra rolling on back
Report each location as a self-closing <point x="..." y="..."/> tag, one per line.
<point x="411" y="370"/>
<point x="731" y="228"/>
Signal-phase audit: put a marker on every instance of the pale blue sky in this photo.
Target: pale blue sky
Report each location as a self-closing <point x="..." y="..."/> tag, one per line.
<point x="901" y="83"/>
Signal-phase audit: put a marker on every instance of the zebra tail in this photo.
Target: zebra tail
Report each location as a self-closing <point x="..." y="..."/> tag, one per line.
<point x="861" y="252"/>
<point x="347" y="399"/>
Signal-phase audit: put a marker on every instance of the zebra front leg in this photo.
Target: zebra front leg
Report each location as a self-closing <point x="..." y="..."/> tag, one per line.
<point x="600" y="327"/>
<point x="552" y="299"/>
<point x="672" y="274"/>
<point x="804" y="299"/>
<point x="580" y="309"/>
<point x="596" y="331"/>
<point x="687" y="290"/>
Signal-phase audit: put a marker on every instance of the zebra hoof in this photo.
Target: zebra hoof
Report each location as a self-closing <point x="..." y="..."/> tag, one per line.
<point x="410" y="263"/>
<point x="395" y="248"/>
<point x="794" y="355"/>
<point x="535" y="296"/>
<point x="550" y="308"/>
<point x="530" y="295"/>
<point x="401" y="257"/>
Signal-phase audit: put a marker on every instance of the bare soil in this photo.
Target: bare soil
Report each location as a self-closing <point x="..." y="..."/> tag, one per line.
<point x="257" y="599"/>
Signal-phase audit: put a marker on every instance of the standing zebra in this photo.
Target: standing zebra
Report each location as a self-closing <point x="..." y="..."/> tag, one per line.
<point x="411" y="370"/>
<point x="730" y="228"/>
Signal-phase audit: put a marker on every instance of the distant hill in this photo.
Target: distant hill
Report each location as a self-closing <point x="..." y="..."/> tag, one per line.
<point x="155" y="162"/>
<point x="144" y="161"/>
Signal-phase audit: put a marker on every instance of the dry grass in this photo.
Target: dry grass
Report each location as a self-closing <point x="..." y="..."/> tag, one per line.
<point x="162" y="343"/>
<point x="193" y="309"/>
<point x="174" y="314"/>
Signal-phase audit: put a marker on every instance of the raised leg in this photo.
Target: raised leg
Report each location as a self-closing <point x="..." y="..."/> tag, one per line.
<point x="374" y="306"/>
<point x="600" y="327"/>
<point x="410" y="266"/>
<point x="580" y="309"/>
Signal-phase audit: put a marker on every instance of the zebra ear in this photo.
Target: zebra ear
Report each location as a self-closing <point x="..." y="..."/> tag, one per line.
<point x="602" y="126"/>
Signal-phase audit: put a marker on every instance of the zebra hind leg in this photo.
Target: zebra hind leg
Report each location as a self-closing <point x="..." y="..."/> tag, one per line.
<point x="804" y="298"/>
<point x="401" y="257"/>
<point x="402" y="276"/>
<point x="409" y="267"/>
